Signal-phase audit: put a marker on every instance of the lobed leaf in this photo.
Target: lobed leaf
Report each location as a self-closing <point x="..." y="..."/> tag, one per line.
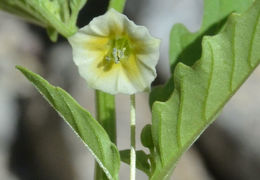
<point x="185" y="46"/>
<point x="84" y="125"/>
<point x="202" y="90"/>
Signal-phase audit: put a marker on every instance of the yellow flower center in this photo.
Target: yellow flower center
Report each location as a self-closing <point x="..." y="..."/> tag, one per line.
<point x="118" y="51"/>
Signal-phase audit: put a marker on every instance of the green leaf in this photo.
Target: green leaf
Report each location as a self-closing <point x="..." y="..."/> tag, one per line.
<point x="60" y="15"/>
<point x="75" y="7"/>
<point x="84" y="125"/>
<point x="202" y="90"/>
<point x="52" y="33"/>
<point x="185" y="46"/>
<point x="53" y="13"/>
<point x="21" y="9"/>
<point x="161" y="92"/>
<point x="142" y="160"/>
<point x="146" y="137"/>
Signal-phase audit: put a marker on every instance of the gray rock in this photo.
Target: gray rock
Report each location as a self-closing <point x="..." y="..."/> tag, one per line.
<point x="18" y="46"/>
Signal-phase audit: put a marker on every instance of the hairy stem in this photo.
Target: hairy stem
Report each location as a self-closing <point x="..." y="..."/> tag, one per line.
<point x="132" y="138"/>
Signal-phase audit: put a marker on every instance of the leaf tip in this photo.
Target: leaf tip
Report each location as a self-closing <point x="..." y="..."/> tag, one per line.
<point x="21" y="69"/>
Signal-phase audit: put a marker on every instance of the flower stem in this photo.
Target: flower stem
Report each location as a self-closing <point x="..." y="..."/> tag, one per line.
<point x="117" y="5"/>
<point x="105" y="104"/>
<point x="105" y="114"/>
<point x="132" y="137"/>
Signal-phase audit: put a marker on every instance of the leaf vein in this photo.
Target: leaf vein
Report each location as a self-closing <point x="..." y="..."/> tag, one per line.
<point x="251" y="41"/>
<point x="233" y="38"/>
<point x="209" y="83"/>
<point x="179" y="119"/>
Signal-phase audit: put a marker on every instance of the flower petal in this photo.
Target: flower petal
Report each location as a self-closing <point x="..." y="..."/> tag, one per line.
<point x="115" y="55"/>
<point x="105" y="25"/>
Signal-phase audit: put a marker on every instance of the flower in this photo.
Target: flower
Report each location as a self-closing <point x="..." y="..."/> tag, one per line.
<point x="115" y="55"/>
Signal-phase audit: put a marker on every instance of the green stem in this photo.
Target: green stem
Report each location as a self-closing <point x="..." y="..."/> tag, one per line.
<point x="105" y="114"/>
<point x="117" y="5"/>
<point x="105" y="108"/>
<point x="132" y="137"/>
<point x="105" y="104"/>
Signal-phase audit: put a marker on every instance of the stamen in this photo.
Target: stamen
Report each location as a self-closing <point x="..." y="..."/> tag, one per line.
<point x="115" y="55"/>
<point x="118" y="51"/>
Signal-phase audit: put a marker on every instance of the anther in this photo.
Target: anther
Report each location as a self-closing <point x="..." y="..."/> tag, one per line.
<point x="115" y="55"/>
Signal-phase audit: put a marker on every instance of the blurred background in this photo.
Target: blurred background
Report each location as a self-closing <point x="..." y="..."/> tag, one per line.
<point x="35" y="143"/>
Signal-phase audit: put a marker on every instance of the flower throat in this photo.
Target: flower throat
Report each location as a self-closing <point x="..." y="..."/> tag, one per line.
<point x="118" y="50"/>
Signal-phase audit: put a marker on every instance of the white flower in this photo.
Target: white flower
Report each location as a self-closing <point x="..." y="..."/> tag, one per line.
<point x="115" y="55"/>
